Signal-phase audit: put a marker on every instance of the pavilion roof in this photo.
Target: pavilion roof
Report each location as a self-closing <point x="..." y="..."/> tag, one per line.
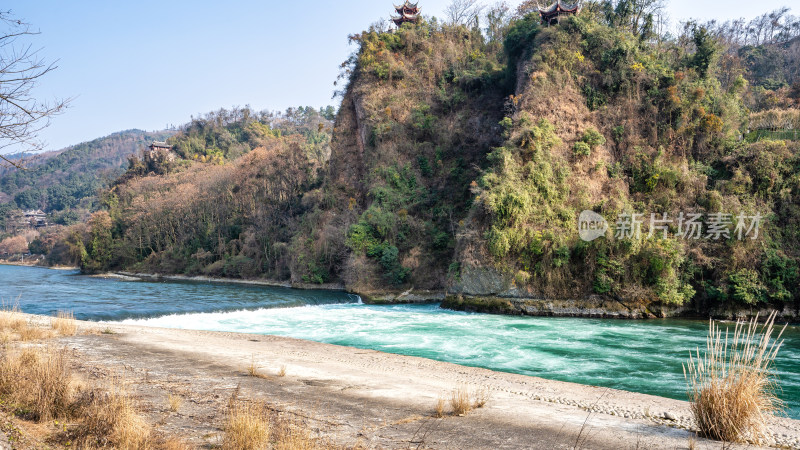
<point x="559" y="6"/>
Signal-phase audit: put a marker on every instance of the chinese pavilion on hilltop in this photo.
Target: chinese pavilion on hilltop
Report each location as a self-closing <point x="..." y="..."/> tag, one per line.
<point x="409" y="12"/>
<point x="552" y="14"/>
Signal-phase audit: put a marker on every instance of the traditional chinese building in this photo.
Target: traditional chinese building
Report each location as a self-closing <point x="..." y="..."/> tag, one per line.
<point x="34" y="219"/>
<point x="552" y="14"/>
<point x="159" y="150"/>
<point x="409" y="12"/>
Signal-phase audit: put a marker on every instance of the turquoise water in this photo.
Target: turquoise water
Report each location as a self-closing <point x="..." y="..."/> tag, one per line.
<point x="640" y="356"/>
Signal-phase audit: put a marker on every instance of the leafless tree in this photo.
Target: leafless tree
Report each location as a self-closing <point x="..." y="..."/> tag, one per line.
<point x="464" y="12"/>
<point x="497" y="18"/>
<point x="22" y="116"/>
<point x="777" y="26"/>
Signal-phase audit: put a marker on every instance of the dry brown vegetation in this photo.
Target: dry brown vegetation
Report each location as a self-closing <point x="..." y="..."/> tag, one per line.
<point x="460" y="401"/>
<point x="174" y="402"/>
<point x="247" y="427"/>
<point x="15" y="326"/>
<point x="463" y="400"/>
<point x="110" y="417"/>
<point x="439" y="409"/>
<point x="252" y="369"/>
<point x="256" y="426"/>
<point x="37" y="383"/>
<point x="14" y="245"/>
<point x="64" y="323"/>
<point x="732" y="386"/>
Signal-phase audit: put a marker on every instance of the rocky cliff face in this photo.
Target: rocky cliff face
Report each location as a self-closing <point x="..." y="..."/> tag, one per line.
<point x="450" y="177"/>
<point x="417" y="118"/>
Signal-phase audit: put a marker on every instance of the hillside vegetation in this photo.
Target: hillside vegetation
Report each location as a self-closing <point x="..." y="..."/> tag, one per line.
<point x="460" y="160"/>
<point x="227" y="205"/>
<point x="65" y="183"/>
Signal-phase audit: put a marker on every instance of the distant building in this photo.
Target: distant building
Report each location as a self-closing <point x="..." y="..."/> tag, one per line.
<point x="159" y="151"/>
<point x="409" y="13"/>
<point x="552" y="14"/>
<point x="34" y="219"/>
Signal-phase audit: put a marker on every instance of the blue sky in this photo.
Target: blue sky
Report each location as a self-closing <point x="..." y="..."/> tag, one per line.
<point x="147" y="64"/>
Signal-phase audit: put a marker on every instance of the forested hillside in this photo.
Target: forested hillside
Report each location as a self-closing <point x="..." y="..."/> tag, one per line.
<point x="227" y="205"/>
<point x="461" y="159"/>
<point x="67" y="180"/>
<point x="614" y="121"/>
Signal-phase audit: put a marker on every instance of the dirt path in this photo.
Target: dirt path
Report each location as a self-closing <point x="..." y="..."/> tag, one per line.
<point x="376" y="399"/>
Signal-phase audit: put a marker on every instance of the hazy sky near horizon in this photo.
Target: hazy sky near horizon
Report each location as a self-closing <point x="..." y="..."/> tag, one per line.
<point x="149" y="64"/>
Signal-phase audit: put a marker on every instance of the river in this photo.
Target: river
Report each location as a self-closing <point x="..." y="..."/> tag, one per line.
<point x="640" y="356"/>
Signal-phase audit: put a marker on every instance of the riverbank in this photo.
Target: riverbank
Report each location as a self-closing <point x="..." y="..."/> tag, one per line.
<point x="374" y="399"/>
<point x="594" y="307"/>
<point x="138" y="276"/>
<point x="36" y="263"/>
<point x="598" y="307"/>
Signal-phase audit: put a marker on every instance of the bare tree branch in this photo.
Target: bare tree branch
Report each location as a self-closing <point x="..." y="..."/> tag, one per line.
<point x="22" y="116"/>
<point x="464" y="12"/>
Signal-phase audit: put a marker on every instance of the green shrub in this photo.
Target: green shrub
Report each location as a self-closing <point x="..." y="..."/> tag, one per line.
<point x="422" y="118"/>
<point x="746" y="287"/>
<point x="780" y="274"/>
<point x="593" y="138"/>
<point x="581" y="149"/>
<point x="424" y="166"/>
<point x="618" y="133"/>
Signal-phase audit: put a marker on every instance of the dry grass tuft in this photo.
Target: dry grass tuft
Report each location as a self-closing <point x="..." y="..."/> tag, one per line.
<point x="37" y="381"/>
<point x="64" y="323"/>
<point x="247" y="427"/>
<point x="480" y="398"/>
<point x="32" y="332"/>
<point x="174" y="402"/>
<point x="282" y="371"/>
<point x="439" y="409"/>
<point x="15" y="327"/>
<point x="252" y="426"/>
<point x="112" y="419"/>
<point x="460" y="401"/>
<point x="732" y="387"/>
<point x="252" y="369"/>
<point x="11" y="318"/>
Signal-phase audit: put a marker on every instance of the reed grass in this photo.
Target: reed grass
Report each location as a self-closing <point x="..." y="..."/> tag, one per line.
<point x="11" y="318"/>
<point x="732" y="387"/>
